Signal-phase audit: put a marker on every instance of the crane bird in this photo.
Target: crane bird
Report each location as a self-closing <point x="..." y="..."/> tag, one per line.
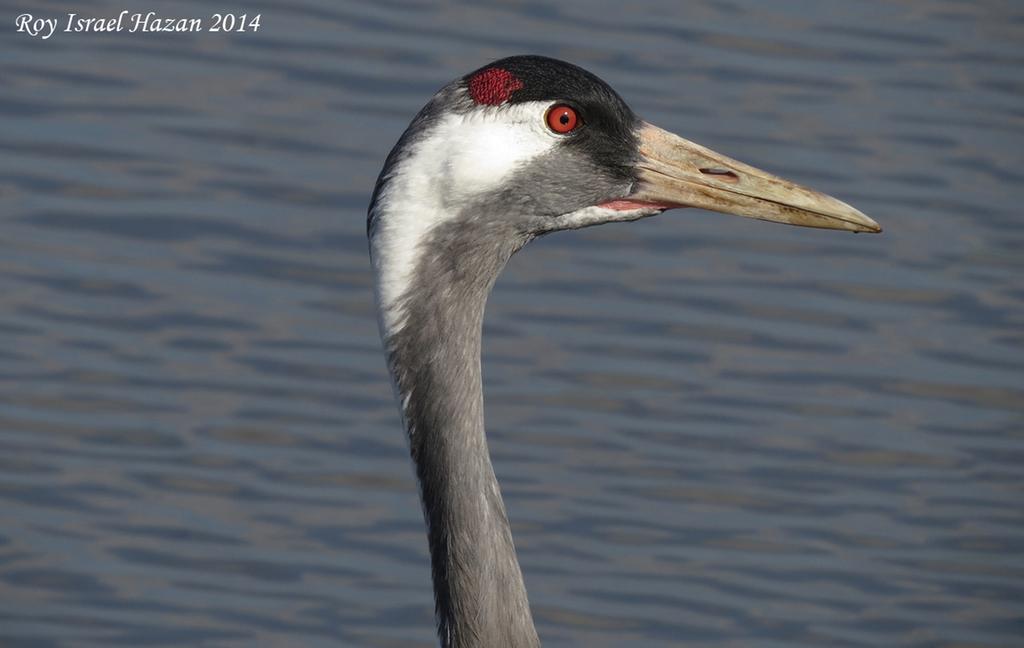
<point x="521" y="147"/>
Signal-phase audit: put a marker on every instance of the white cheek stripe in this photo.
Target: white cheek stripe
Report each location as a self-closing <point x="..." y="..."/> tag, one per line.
<point x="459" y="158"/>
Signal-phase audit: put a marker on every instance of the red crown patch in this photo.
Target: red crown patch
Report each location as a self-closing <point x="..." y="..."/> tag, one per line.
<point x="493" y="86"/>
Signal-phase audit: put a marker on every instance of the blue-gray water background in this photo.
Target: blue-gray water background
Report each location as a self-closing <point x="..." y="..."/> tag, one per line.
<point x="710" y="431"/>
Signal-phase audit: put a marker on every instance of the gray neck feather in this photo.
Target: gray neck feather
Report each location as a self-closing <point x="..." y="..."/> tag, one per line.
<point x="435" y="361"/>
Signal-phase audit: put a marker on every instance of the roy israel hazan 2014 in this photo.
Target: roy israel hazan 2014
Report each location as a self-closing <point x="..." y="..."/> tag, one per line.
<point x="124" y="22"/>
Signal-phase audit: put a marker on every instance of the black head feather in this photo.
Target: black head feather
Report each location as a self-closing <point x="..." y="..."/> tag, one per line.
<point x="608" y="134"/>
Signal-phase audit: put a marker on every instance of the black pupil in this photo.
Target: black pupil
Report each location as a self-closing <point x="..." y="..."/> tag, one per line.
<point x="564" y="118"/>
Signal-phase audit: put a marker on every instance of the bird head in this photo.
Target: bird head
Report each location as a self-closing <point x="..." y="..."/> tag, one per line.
<point x="529" y="145"/>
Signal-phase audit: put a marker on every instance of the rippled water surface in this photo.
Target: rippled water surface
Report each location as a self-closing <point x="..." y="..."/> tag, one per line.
<point x="710" y="431"/>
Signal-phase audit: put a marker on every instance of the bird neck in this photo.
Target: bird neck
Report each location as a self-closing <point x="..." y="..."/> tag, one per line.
<point x="434" y="358"/>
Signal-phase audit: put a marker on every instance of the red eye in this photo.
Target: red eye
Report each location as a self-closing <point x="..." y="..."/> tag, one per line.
<point x="562" y="119"/>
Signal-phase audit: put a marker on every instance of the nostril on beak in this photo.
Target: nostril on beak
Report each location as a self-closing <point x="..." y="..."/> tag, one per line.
<point x="725" y="175"/>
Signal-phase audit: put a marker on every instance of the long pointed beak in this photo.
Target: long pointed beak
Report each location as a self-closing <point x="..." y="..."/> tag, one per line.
<point x="675" y="172"/>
